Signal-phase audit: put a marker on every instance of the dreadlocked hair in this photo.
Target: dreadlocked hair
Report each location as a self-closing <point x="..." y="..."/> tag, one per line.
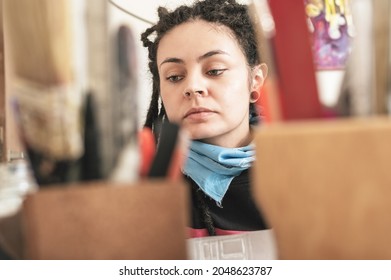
<point x="222" y="12"/>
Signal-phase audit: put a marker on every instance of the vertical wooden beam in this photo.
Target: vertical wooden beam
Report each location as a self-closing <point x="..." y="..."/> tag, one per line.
<point x="3" y="154"/>
<point x="381" y="36"/>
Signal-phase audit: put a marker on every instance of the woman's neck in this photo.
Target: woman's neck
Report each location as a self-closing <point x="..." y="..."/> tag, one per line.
<point x="229" y="141"/>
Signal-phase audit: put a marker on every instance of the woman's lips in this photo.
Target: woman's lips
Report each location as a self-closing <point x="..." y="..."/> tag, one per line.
<point x="198" y="113"/>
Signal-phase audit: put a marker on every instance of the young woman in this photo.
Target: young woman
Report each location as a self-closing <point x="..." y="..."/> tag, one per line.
<point x="207" y="77"/>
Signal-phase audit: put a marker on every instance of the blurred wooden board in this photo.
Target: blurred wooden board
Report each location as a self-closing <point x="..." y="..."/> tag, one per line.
<point x="381" y="40"/>
<point x="3" y="153"/>
<point x="102" y="221"/>
<point x="45" y="27"/>
<point x="324" y="187"/>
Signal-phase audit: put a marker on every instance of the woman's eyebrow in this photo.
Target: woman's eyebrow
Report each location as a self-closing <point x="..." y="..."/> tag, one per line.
<point x="172" y="60"/>
<point x="204" y="56"/>
<point x="211" y="53"/>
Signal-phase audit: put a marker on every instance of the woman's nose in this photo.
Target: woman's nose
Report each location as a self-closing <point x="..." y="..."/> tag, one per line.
<point x="193" y="92"/>
<point x="194" y="87"/>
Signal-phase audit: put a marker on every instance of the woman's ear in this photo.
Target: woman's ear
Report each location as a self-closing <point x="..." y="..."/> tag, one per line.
<point x="259" y="73"/>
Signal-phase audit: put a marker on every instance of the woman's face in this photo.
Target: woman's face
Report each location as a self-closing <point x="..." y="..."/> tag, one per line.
<point x="205" y="83"/>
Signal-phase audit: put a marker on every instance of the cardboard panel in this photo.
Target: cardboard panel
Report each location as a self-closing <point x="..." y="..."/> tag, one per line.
<point x="325" y="187"/>
<point x="102" y="221"/>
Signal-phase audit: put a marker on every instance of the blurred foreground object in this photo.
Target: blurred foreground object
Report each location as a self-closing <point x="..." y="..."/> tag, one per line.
<point x="146" y="220"/>
<point x="253" y="245"/>
<point x="366" y="87"/>
<point x="75" y="90"/>
<point x="16" y="182"/>
<point x="291" y="94"/>
<point x="47" y="102"/>
<point x="324" y="187"/>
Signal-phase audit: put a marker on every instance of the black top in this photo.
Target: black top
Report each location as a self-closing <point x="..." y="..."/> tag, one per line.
<point x="237" y="212"/>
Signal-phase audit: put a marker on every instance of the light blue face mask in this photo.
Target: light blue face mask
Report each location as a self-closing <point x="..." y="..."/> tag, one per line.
<point x="213" y="167"/>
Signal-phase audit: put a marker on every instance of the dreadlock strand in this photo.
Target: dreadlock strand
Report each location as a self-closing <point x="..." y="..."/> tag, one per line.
<point x="153" y="109"/>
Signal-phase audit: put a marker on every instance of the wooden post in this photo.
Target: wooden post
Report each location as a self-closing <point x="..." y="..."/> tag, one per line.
<point x="3" y="154"/>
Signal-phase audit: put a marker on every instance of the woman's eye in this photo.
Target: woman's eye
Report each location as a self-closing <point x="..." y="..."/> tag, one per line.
<point x="216" y="72"/>
<point x="174" y="78"/>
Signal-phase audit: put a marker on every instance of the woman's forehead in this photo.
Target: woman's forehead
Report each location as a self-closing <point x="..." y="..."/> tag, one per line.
<point x="196" y="38"/>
